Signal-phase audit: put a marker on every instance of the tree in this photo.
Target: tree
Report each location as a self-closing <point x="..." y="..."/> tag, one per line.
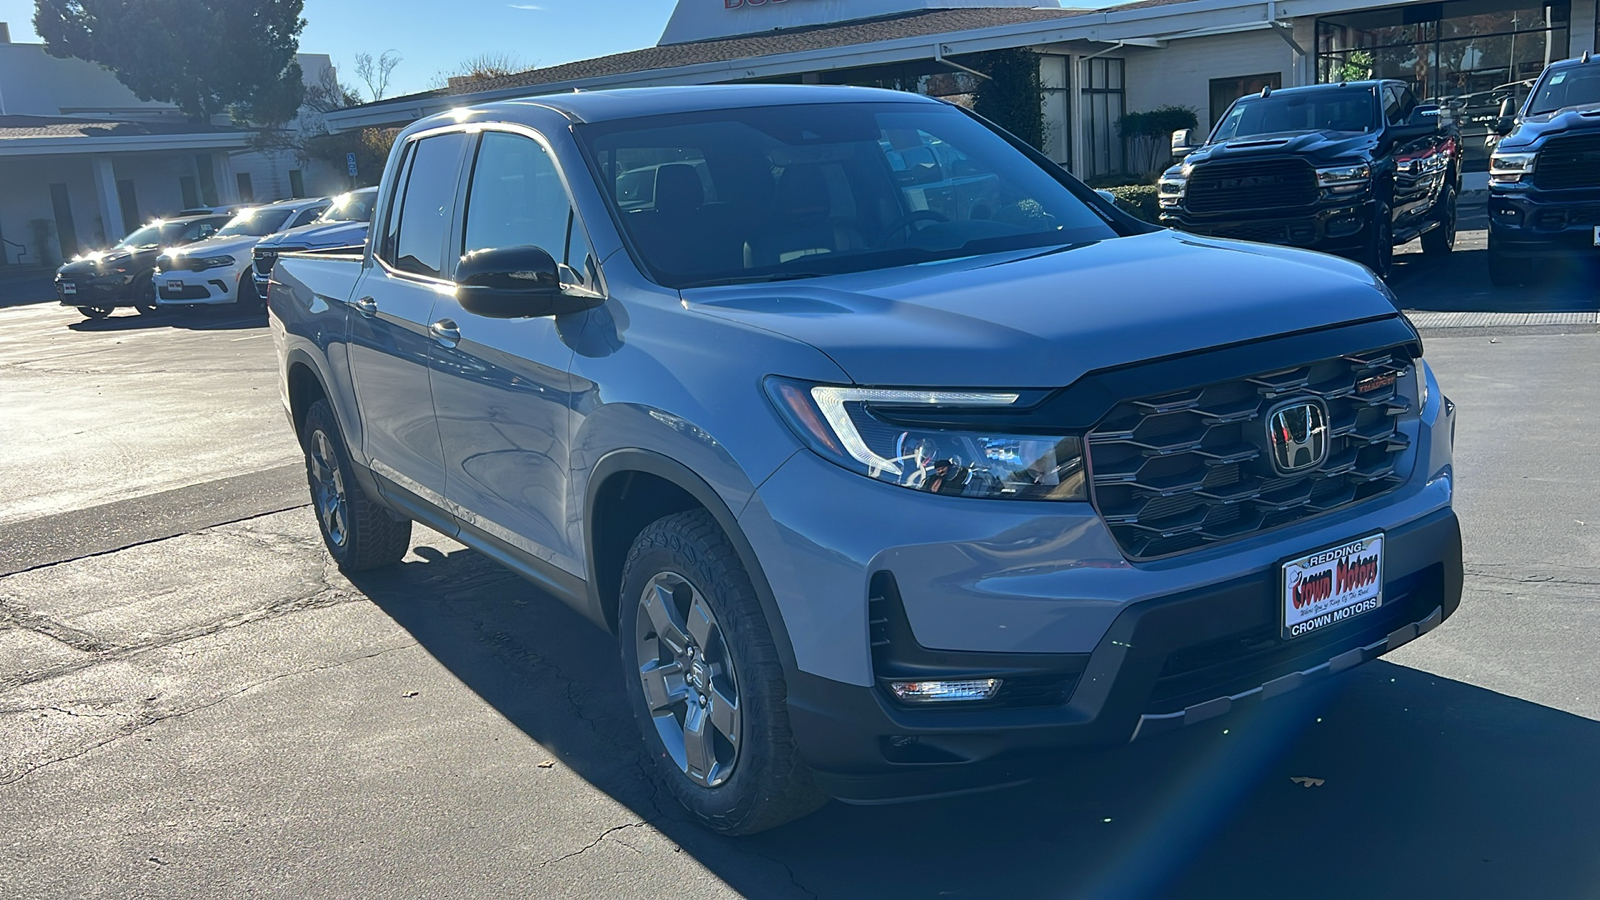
<point x="374" y="73"/>
<point x="308" y="137"/>
<point x="480" y="68"/>
<point x="205" y="56"/>
<point x="1013" y="94"/>
<point x="1148" y="136"/>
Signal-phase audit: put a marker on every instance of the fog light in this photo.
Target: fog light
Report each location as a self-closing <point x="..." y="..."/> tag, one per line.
<point x="944" y="691"/>
<point x="1507" y="215"/>
<point x="1344" y="226"/>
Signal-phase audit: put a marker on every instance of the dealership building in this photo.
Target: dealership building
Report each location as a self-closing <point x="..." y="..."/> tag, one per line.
<point x="1095" y="64"/>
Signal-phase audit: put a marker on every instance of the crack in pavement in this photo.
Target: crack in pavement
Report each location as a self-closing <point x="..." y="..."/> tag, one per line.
<point x="594" y="843"/>
<point x="14" y="615"/>
<point x="146" y="720"/>
<point x="1531" y="579"/>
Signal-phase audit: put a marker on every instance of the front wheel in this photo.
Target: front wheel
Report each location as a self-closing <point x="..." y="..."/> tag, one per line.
<point x="358" y="533"/>
<point x="1442" y="239"/>
<point x="1378" y="254"/>
<point x="97" y="312"/>
<point x="246" y="295"/>
<point x="705" y="682"/>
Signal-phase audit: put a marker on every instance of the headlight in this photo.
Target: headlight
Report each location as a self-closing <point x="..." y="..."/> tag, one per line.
<point x="216" y="262"/>
<point x="1508" y="168"/>
<point x="872" y="431"/>
<point x="1344" y="179"/>
<point x="1170" y="189"/>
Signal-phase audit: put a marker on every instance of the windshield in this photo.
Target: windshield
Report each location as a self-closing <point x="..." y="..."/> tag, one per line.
<point x="352" y="207"/>
<point x="1338" y="109"/>
<point x="148" y="236"/>
<point x="255" y="222"/>
<point x="1564" y="88"/>
<point x="759" y="194"/>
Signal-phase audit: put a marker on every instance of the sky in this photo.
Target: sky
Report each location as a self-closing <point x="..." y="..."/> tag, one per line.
<point x="432" y="36"/>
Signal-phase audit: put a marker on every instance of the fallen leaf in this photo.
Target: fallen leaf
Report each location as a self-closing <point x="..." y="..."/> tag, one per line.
<point x="1307" y="781"/>
<point x="547" y="764"/>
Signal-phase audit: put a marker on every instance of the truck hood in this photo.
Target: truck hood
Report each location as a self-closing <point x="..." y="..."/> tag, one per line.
<point x="217" y="246"/>
<point x="314" y="236"/>
<point x="1042" y="320"/>
<point x="1534" y="129"/>
<point x="1317" y="146"/>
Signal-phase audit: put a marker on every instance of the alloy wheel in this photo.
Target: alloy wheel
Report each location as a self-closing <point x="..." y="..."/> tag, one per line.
<point x="689" y="682"/>
<point x="332" y="506"/>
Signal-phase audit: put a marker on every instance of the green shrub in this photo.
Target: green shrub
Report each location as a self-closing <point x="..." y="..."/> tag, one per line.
<point x="1139" y="200"/>
<point x="1147" y="136"/>
<point x="1013" y="96"/>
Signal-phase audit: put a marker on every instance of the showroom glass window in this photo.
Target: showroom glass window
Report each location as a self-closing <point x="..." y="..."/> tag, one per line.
<point x="1468" y="55"/>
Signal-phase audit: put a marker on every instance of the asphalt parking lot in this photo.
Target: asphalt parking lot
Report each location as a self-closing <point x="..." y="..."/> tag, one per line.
<point x="196" y="703"/>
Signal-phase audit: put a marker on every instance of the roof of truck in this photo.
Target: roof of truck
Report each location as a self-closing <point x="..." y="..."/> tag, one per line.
<point x="628" y="103"/>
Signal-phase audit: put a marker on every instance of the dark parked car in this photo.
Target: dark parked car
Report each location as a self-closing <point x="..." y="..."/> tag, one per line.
<point x="1544" y="177"/>
<point x="122" y="275"/>
<point x="1355" y="169"/>
<point x="882" y="500"/>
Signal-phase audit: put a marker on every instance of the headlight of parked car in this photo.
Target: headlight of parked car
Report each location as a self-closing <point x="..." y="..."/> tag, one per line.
<point x="216" y="262"/>
<point x="858" y="429"/>
<point x="1344" y="179"/>
<point x="1169" y="190"/>
<point x="1508" y="168"/>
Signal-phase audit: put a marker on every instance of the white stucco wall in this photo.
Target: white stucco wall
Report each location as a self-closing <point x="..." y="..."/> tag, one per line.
<point x="1180" y="74"/>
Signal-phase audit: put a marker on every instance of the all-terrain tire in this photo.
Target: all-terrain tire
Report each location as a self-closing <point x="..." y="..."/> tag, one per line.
<point x="769" y="783"/>
<point x="1442" y="239"/>
<point x="364" y="535"/>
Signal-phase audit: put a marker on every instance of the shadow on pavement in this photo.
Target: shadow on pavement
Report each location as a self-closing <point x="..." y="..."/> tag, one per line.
<point x="23" y="285"/>
<point x="1459" y="282"/>
<point x="220" y="319"/>
<point x="1431" y="788"/>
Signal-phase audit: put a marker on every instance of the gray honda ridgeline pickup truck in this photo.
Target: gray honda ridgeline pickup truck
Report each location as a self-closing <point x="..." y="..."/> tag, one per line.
<point x="899" y="462"/>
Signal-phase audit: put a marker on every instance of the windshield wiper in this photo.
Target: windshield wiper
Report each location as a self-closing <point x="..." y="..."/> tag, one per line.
<point x="752" y="279"/>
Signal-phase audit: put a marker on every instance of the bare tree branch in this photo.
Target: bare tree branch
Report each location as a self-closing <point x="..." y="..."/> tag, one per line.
<point x="374" y="73"/>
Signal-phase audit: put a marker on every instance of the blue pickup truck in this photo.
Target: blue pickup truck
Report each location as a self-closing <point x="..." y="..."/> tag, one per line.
<point x="883" y="498"/>
<point x="1544" y="175"/>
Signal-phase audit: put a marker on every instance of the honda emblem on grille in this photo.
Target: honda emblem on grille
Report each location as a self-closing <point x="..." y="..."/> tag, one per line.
<point x="1298" y="434"/>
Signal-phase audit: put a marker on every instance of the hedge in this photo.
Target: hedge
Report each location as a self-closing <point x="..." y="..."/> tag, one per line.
<point x="1139" y="200"/>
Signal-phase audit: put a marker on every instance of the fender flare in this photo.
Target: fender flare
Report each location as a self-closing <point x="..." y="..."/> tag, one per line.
<point x="670" y="470"/>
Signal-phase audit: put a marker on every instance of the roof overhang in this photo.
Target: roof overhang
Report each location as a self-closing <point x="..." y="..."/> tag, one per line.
<point x="133" y="143"/>
<point x="1150" y="26"/>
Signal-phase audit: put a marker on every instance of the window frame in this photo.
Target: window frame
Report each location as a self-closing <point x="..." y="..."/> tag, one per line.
<point x="393" y="207"/>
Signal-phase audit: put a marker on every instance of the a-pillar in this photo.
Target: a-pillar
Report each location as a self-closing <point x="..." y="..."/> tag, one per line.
<point x="105" y="184"/>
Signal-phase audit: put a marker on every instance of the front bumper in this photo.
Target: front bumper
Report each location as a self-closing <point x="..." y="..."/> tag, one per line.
<point x="1533" y="223"/>
<point x="95" y="290"/>
<point x="1162" y="664"/>
<point x="1336" y="227"/>
<point x="209" y="287"/>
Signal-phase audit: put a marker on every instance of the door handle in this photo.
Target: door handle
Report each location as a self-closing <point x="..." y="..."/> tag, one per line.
<point x="445" y="332"/>
<point x="366" y="306"/>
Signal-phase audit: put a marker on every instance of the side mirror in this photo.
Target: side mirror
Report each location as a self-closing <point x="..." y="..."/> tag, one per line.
<point x="514" y="283"/>
<point x="1428" y="114"/>
<point x="1183" y="142"/>
<point x="1508" y="117"/>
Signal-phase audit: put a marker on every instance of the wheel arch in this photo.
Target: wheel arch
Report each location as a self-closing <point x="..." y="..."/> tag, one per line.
<point x="644" y="486"/>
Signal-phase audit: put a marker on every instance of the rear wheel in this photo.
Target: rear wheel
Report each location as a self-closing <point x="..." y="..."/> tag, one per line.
<point x="705" y="682"/>
<point x="144" y="296"/>
<point x="358" y="533"/>
<point x="1442" y="239"/>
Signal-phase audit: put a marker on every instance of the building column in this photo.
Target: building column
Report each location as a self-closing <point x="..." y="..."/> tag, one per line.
<point x="105" y="184"/>
<point x="1582" y="28"/>
<point x="222" y="173"/>
<point x="1075" y="76"/>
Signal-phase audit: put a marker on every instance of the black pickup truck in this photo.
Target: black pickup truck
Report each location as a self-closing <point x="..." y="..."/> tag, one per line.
<point x="1544" y="176"/>
<point x="1354" y="168"/>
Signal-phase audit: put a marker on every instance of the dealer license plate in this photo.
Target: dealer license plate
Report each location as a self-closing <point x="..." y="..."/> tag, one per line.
<point x="1330" y="586"/>
<point x="68" y="288"/>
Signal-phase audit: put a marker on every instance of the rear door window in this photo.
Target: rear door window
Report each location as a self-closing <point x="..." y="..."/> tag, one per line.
<point x="427" y="205"/>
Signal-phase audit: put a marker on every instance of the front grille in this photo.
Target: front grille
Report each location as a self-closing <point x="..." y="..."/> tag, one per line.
<point x="1269" y="232"/>
<point x="1251" y="185"/>
<point x="1568" y="162"/>
<point x="264" y="260"/>
<point x="1191" y="468"/>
